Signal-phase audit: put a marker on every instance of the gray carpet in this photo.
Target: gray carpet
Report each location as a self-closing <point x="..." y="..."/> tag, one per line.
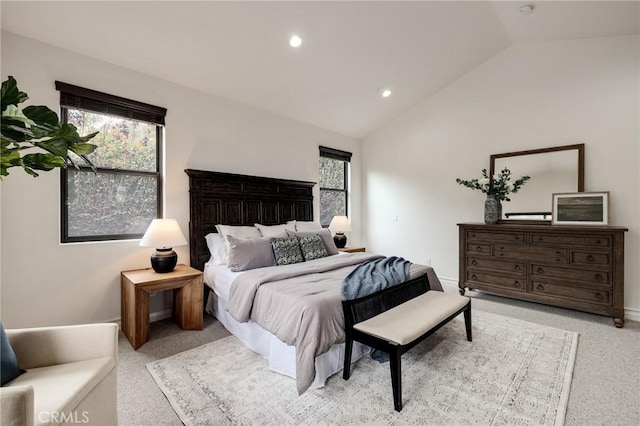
<point x="605" y="387"/>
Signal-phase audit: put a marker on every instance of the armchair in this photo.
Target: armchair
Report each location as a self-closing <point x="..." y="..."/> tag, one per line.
<point x="70" y="376"/>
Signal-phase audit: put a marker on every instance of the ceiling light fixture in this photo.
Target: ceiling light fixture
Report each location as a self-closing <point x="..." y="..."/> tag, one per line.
<point x="527" y="9"/>
<point x="385" y="93"/>
<point x="295" y="41"/>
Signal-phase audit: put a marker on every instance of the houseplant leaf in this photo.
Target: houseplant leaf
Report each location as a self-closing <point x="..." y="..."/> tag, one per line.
<point x="10" y="94"/>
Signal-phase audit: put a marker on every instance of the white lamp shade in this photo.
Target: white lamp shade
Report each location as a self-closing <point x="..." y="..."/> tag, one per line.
<point x="340" y="224"/>
<point x="163" y="234"/>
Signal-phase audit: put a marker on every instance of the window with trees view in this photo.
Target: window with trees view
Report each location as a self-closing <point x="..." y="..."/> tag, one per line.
<point x="124" y="195"/>
<point x="334" y="184"/>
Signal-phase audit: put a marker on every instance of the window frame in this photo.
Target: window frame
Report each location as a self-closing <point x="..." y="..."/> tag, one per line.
<point x="74" y="97"/>
<point x="345" y="157"/>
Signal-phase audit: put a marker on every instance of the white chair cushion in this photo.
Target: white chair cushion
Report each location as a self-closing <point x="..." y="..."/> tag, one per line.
<point x="59" y="388"/>
<point x="408" y="321"/>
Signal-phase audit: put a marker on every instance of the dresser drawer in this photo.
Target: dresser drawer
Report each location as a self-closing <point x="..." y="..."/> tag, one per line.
<point x="528" y="252"/>
<point x="602" y="297"/>
<point x="565" y="239"/>
<point x="473" y="248"/>
<point x="589" y="258"/>
<point x="517" y="267"/>
<point x="596" y="277"/>
<point x="496" y="280"/>
<point x="496" y="236"/>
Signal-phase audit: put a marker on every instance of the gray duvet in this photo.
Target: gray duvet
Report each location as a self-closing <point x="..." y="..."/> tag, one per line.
<point x="301" y="304"/>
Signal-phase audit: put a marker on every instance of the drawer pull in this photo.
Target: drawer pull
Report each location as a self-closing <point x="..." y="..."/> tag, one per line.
<point x="501" y="254"/>
<point x="599" y="296"/>
<point x="540" y="271"/>
<point x="516" y="237"/>
<point x="590" y="258"/>
<point x="473" y="277"/>
<point x="557" y="251"/>
<point x="557" y="259"/>
<point x="598" y="242"/>
<point x="474" y="262"/>
<point x="540" y="287"/>
<point x="539" y="238"/>
<point x="501" y="247"/>
<point x="473" y="234"/>
<point x="479" y="248"/>
<point x="516" y="268"/>
<point x="516" y="283"/>
<point x="598" y="277"/>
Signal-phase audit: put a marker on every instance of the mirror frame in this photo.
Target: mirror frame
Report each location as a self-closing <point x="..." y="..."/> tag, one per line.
<point x="578" y="147"/>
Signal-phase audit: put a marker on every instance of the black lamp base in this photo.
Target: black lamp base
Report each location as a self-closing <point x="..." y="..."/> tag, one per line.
<point x="164" y="260"/>
<point x="340" y="240"/>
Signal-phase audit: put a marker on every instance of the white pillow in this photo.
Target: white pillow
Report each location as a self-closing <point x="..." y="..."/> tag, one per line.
<point x="275" y="230"/>
<point x="307" y="226"/>
<point x="238" y="232"/>
<point x="216" y="245"/>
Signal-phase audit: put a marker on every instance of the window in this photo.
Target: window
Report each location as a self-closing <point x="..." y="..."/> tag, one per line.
<point x="121" y="199"/>
<point x="334" y="183"/>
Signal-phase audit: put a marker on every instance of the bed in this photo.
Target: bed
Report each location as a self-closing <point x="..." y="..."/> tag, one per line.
<point x="235" y="200"/>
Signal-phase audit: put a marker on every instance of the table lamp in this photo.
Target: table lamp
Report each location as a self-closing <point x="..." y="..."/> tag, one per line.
<point x="163" y="234"/>
<point x="340" y="225"/>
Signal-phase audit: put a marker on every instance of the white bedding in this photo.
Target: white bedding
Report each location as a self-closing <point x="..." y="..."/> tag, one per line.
<point x="281" y="357"/>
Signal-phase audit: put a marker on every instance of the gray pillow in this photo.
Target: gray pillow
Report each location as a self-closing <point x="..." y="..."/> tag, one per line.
<point x="286" y="251"/>
<point x="312" y="247"/>
<point x="325" y="234"/>
<point x="249" y="253"/>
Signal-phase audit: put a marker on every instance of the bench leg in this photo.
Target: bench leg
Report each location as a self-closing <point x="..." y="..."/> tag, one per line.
<point x="348" y="346"/>
<point x="396" y="378"/>
<point x="467" y="321"/>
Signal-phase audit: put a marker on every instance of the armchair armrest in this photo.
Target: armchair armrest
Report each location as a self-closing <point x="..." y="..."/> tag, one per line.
<point x="16" y="405"/>
<point x="44" y="346"/>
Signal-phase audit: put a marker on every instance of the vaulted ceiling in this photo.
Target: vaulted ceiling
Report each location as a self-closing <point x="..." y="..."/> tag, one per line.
<point x="240" y="50"/>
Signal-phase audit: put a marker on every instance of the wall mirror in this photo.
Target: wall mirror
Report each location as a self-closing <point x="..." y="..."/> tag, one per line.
<point x="552" y="170"/>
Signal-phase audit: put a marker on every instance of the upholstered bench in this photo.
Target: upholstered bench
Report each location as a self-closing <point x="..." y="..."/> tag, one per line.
<point x="396" y="319"/>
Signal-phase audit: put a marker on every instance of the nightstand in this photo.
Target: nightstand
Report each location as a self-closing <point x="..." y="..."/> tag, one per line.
<point x="135" y="287"/>
<point x="352" y="249"/>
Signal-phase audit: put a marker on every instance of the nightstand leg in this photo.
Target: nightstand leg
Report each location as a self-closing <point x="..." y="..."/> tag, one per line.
<point x="187" y="305"/>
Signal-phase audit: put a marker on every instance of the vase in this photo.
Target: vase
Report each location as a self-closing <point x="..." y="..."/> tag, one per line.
<point x="492" y="210"/>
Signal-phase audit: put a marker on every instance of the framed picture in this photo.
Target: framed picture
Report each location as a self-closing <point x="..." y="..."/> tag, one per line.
<point x="581" y="208"/>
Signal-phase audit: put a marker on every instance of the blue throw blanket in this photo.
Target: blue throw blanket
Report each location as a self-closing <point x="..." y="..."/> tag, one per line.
<point x="373" y="276"/>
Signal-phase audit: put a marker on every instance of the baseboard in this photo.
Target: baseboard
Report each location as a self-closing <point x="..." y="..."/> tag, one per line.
<point x="631" y="314"/>
<point x="153" y="317"/>
<point x="160" y="315"/>
<point x="452" y="285"/>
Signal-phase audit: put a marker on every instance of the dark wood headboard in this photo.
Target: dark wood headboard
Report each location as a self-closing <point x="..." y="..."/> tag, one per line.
<point x="231" y="199"/>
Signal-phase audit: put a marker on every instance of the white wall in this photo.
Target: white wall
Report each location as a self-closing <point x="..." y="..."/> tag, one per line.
<point x="48" y="283"/>
<point x="528" y="96"/>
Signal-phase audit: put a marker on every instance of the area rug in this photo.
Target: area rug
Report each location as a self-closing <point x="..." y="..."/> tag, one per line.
<point x="513" y="373"/>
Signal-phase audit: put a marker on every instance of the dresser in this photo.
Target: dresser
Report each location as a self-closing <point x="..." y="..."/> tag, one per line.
<point x="577" y="267"/>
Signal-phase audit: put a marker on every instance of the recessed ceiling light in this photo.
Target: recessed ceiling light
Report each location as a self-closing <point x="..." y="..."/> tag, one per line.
<point x="384" y="92"/>
<point x="295" y="41"/>
<point x="527" y="9"/>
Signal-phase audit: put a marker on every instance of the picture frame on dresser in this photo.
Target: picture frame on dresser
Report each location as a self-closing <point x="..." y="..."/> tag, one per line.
<point x="580" y="208"/>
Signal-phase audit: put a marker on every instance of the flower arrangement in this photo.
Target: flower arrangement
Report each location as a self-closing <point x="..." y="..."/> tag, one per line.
<point x="499" y="186"/>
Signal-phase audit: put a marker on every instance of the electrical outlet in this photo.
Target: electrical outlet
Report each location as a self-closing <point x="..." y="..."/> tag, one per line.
<point x="427" y="262"/>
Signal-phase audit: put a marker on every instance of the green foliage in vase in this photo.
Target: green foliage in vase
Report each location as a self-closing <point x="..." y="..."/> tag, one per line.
<point x="37" y="128"/>
<point x="499" y="185"/>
